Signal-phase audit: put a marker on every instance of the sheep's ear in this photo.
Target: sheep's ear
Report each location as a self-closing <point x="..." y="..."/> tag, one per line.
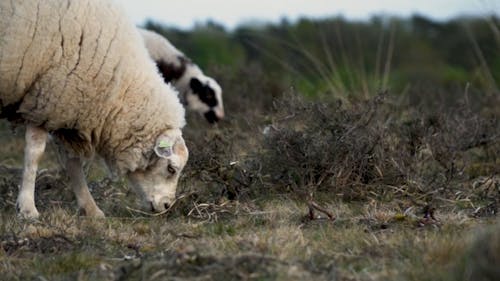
<point x="196" y="85"/>
<point x="164" y="146"/>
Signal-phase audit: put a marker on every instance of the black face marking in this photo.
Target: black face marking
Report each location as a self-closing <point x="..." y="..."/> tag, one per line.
<point x="171" y="72"/>
<point x="211" y="117"/>
<point x="204" y="92"/>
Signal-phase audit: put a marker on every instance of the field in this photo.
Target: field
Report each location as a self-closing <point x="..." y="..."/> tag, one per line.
<point x="377" y="171"/>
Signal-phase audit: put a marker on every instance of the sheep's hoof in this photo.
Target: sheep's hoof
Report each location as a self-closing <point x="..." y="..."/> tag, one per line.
<point x="98" y="214"/>
<point x="93" y="213"/>
<point x="25" y="207"/>
<point x="28" y="214"/>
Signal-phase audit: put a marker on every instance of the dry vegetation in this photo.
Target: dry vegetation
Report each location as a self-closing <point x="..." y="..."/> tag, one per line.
<point x="414" y="191"/>
<point x="242" y="211"/>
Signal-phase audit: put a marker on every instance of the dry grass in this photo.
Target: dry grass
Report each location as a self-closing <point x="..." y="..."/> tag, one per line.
<point x="272" y="241"/>
<point x="242" y="212"/>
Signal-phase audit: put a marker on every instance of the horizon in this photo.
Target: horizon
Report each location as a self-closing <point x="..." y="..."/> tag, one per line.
<point x="230" y="15"/>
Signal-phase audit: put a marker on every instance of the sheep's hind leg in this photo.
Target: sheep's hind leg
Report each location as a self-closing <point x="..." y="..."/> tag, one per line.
<point x="85" y="200"/>
<point x="36" y="139"/>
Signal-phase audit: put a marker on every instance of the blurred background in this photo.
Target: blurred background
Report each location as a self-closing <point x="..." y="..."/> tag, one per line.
<point x="348" y="49"/>
<point x="230" y="14"/>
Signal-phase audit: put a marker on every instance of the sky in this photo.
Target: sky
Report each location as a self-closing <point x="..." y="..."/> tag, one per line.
<point x="185" y="14"/>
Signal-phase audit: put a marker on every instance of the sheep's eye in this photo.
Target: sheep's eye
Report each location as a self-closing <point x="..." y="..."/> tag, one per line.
<point x="171" y="169"/>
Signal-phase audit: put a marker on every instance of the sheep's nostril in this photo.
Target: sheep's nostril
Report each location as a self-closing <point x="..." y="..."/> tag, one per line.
<point x="152" y="206"/>
<point x="166" y="206"/>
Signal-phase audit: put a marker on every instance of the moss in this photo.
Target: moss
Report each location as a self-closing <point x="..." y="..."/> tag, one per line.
<point x="65" y="264"/>
<point x="475" y="170"/>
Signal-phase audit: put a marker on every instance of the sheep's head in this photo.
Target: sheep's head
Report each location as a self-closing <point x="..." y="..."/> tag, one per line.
<point x="157" y="184"/>
<point x="205" y="96"/>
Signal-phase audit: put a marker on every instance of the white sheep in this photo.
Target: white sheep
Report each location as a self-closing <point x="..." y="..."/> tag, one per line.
<point x="79" y="70"/>
<point x="200" y="93"/>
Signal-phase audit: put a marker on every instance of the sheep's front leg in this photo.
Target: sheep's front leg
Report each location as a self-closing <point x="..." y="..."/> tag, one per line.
<point x="85" y="200"/>
<point x="36" y="139"/>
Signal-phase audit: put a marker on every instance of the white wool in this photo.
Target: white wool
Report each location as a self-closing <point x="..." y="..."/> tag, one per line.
<point x="164" y="52"/>
<point x="79" y="69"/>
<point x="159" y="47"/>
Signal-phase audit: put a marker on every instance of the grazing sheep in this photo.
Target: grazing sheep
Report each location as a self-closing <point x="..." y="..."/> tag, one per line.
<point x="79" y="71"/>
<point x="199" y="92"/>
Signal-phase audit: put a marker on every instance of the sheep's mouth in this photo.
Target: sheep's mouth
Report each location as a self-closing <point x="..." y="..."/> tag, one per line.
<point x="211" y="117"/>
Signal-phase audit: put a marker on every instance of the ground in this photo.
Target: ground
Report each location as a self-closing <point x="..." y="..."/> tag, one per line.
<point x="259" y="238"/>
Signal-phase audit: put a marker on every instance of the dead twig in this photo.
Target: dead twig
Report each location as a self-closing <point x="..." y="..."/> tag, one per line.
<point x="210" y="211"/>
<point x="314" y="206"/>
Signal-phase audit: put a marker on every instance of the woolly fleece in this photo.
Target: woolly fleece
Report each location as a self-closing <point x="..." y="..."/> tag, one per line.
<point x="179" y="70"/>
<point x="79" y="70"/>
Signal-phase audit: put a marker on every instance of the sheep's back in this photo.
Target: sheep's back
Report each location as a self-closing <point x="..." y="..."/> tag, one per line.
<point x="58" y="57"/>
<point x="27" y="45"/>
<point x="80" y="70"/>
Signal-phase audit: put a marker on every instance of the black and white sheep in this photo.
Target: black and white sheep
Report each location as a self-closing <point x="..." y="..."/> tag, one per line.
<point x="199" y="92"/>
<point x="79" y="71"/>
